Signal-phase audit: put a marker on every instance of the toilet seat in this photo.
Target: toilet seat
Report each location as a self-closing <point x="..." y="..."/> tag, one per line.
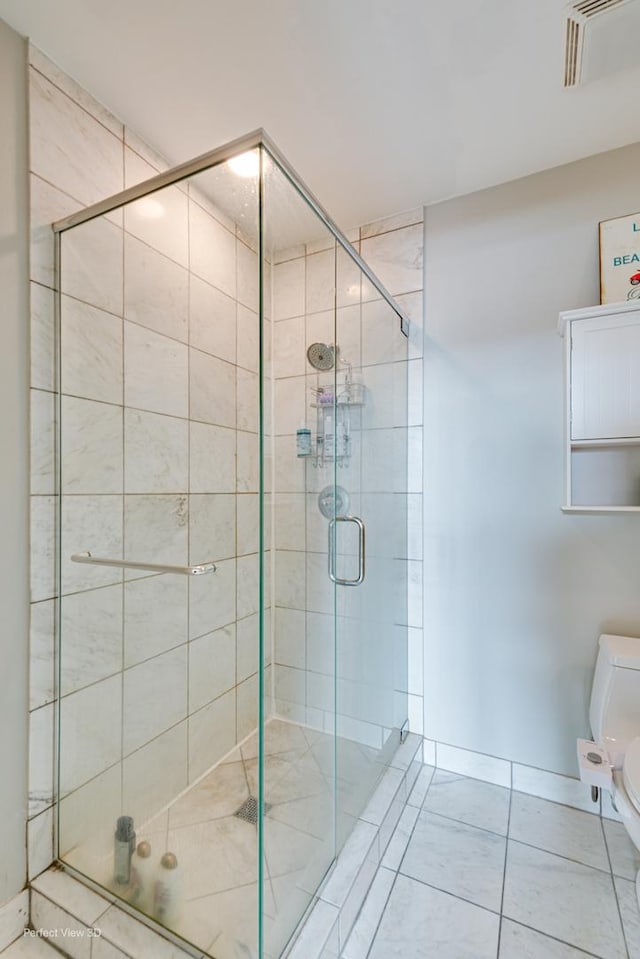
<point x="631" y="772"/>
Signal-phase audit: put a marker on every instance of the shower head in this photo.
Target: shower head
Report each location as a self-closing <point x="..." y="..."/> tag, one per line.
<point x="321" y="356"/>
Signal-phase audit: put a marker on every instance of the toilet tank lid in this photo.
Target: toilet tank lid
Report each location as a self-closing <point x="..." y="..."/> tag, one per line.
<point x="621" y="651"/>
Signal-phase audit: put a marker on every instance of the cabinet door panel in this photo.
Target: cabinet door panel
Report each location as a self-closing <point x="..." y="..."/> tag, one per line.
<point x="605" y="380"/>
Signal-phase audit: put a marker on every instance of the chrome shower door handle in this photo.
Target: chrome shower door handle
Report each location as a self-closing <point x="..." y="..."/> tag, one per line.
<point x="332" y="550"/>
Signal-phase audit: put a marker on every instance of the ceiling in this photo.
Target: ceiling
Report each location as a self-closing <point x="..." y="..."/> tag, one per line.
<point x="380" y="105"/>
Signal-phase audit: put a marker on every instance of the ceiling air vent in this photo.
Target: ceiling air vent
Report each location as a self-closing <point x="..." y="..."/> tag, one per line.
<point x="601" y="38"/>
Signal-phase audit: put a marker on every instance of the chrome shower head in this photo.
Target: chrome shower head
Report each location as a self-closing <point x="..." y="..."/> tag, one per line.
<point x="321" y="356"/>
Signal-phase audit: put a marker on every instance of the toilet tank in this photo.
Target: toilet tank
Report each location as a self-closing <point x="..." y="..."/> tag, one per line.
<point x="614" y="712"/>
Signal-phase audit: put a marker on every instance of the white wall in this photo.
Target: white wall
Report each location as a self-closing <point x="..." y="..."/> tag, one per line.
<point x="516" y="593"/>
<point x="14" y="599"/>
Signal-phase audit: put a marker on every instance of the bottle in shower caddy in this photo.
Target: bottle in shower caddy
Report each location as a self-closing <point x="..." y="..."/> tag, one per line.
<point x="167" y="893"/>
<point x="123" y="848"/>
<point x="143" y="872"/>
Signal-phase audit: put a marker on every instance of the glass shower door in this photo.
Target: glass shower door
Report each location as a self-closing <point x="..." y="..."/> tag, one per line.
<point x="367" y="539"/>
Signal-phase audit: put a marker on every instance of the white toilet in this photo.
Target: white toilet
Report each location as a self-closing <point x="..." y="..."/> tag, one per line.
<point x="614" y="714"/>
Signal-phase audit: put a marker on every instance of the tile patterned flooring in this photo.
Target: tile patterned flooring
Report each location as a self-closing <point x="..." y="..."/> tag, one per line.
<point x="475" y="871"/>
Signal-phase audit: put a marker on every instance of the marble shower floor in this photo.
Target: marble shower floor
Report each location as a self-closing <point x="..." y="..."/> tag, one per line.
<point x="475" y="871"/>
<point x="217" y="851"/>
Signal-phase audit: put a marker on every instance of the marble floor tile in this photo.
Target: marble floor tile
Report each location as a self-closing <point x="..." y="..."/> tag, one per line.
<point x="625" y="858"/>
<point x="565" y="899"/>
<point x="628" y="902"/>
<point x="423" y="923"/>
<point x="519" y="942"/>
<point x="559" y="829"/>
<point x="30" y="948"/>
<point x="470" y="801"/>
<point x="458" y="859"/>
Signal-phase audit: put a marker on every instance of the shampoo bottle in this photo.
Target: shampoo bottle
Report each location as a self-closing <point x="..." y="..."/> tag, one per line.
<point x="142" y="877"/>
<point x="167" y="892"/>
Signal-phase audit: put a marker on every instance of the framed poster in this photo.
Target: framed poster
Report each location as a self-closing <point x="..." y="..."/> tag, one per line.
<point x="620" y="259"/>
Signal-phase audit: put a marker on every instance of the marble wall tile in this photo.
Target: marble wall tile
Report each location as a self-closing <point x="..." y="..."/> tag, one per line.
<point x="40" y="62"/>
<point x="156" y="453"/>
<point x="212" y="459"/>
<point x="156" y="372"/>
<point x="248" y="339"/>
<point x="248" y="400"/>
<point x="290" y="521"/>
<point x="42" y="547"/>
<point x="248" y="523"/>
<point x="43" y="371"/>
<point x="289" y="405"/>
<point x="247" y="706"/>
<point x="156" y="530"/>
<point x="289" y="687"/>
<point x="87" y="816"/>
<point x="289" y="348"/>
<point x="41" y="646"/>
<point x="320" y="281"/>
<point x="289" y="646"/>
<point x="40" y="759"/>
<point x="212" y="321"/>
<point x="476" y="765"/>
<point x="92" y="523"/>
<point x="155" y="616"/>
<point x="247" y="585"/>
<point x="156" y="290"/>
<point x="212" y="250"/>
<point x="248" y="463"/>
<point x="91" y="264"/>
<point x="290" y="579"/>
<point x="395" y="222"/>
<point x="248" y="277"/>
<point x="42" y="442"/>
<point x="247" y="647"/>
<point x="69" y="147"/>
<point x="382" y="341"/>
<point x="212" y="599"/>
<point x="212" y="527"/>
<point x="212" y="666"/>
<point x="91" y="352"/>
<point x="141" y="162"/>
<point x="396" y="259"/>
<point x="212" y="733"/>
<point x="40" y="843"/>
<point x="154" y="775"/>
<point x="212" y="390"/>
<point x="47" y="205"/>
<point x="155" y="697"/>
<point x="91" y="647"/>
<point x="92" y="438"/>
<point x="547" y="785"/>
<point x="90" y="732"/>
<point x="289" y="289"/>
<point x="160" y="219"/>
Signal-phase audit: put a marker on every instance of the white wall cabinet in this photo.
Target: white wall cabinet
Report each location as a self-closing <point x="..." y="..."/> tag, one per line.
<point x="602" y="427"/>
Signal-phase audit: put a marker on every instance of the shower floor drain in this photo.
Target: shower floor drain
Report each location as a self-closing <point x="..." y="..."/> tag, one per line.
<point x="249" y="810"/>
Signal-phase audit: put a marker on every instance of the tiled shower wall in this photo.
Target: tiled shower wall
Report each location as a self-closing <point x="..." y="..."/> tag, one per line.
<point x="160" y="454"/>
<point x="306" y="280"/>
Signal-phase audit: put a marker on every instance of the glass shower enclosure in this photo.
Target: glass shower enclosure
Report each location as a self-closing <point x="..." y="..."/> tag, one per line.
<point x="232" y="469"/>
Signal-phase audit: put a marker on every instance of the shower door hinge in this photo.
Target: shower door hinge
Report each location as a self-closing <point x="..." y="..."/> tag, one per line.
<point x="404" y="731"/>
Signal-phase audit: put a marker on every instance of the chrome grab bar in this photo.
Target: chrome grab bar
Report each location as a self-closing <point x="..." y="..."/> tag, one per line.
<point x="199" y="570"/>
<point x="332" y="551"/>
